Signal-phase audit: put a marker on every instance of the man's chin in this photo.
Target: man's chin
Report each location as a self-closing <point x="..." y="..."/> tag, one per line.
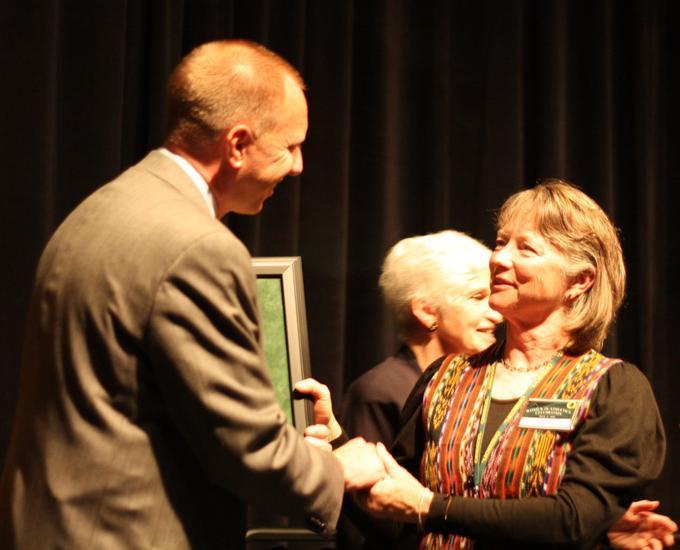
<point x="249" y="210"/>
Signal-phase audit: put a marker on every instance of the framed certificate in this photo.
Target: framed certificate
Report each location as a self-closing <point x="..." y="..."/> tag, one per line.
<point x="281" y="299"/>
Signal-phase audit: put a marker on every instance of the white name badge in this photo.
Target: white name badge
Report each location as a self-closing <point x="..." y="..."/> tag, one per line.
<point x="550" y="414"/>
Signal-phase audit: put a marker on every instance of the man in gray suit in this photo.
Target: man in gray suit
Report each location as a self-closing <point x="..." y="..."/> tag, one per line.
<point x="146" y="415"/>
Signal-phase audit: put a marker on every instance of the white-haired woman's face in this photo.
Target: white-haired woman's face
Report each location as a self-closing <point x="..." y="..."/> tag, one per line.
<point x="466" y="323"/>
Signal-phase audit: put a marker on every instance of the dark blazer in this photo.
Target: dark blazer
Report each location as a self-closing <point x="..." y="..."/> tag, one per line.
<point x="374" y="401"/>
<point x="146" y="414"/>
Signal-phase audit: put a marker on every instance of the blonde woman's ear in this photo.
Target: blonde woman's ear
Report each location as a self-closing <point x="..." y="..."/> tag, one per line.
<point x="580" y="284"/>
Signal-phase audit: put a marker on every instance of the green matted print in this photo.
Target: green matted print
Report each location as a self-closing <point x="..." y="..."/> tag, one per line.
<point x="270" y="297"/>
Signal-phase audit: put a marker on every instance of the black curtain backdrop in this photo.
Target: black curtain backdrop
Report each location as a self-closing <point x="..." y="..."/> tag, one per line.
<point x="424" y="115"/>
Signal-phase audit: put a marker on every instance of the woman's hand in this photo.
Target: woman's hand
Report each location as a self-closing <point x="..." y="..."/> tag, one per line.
<point x="326" y="428"/>
<point x="398" y="496"/>
<point x="639" y="527"/>
<point x="319" y="436"/>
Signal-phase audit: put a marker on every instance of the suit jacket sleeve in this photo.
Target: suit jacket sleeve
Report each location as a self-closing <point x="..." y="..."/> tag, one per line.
<point x="203" y="340"/>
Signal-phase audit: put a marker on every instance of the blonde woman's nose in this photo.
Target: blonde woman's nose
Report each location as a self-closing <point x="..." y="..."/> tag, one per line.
<point x="496" y="317"/>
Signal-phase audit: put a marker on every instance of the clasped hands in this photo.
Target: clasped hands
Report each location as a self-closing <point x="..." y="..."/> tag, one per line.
<point x="378" y="483"/>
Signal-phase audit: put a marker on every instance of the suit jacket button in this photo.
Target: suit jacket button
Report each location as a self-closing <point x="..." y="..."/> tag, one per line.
<point x="316" y="523"/>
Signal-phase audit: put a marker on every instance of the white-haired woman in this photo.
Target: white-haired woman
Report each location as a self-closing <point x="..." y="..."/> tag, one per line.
<point x="436" y="287"/>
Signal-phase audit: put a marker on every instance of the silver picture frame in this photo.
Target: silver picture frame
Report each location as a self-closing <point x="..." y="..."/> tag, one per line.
<point x="281" y="299"/>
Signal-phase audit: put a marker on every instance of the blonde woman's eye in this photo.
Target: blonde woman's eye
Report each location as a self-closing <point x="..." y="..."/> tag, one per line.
<point x="526" y="247"/>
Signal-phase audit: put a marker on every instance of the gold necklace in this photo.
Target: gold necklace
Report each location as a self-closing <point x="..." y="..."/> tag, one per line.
<point x="530" y="368"/>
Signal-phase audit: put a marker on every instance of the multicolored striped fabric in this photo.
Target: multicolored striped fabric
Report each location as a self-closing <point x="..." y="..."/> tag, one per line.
<point x="521" y="462"/>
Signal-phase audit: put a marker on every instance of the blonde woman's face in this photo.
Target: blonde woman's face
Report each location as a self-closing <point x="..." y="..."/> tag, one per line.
<point x="528" y="275"/>
<point x="467" y="324"/>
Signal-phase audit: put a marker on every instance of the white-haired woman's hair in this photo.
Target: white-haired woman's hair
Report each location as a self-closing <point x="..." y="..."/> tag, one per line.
<point x="435" y="268"/>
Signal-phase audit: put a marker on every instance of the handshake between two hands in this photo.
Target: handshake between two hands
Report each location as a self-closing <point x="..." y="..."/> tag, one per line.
<point x="378" y="483"/>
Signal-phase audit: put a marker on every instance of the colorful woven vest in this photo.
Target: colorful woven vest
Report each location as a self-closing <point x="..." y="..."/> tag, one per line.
<point x="520" y="462"/>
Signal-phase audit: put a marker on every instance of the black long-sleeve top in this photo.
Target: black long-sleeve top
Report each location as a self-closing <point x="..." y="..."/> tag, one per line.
<point x="617" y="452"/>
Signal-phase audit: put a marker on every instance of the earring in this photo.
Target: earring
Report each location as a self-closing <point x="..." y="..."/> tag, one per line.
<point x="434" y="326"/>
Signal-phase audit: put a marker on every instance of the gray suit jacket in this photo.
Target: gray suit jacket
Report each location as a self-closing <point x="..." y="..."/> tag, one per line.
<point x="146" y="414"/>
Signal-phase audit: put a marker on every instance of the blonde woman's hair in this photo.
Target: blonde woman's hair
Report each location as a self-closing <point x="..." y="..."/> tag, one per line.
<point x="573" y="222"/>
<point x="436" y="268"/>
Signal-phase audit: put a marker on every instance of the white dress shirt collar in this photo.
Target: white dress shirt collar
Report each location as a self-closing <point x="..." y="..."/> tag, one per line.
<point x="195" y="177"/>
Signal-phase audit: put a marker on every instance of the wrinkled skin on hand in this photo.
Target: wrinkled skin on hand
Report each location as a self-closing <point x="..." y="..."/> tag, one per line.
<point x="641" y="528"/>
<point x="398" y="496"/>
<point x="323" y="410"/>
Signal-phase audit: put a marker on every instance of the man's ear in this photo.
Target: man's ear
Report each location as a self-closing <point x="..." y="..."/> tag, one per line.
<point x="425" y="313"/>
<point x="580" y="284"/>
<point x="236" y="141"/>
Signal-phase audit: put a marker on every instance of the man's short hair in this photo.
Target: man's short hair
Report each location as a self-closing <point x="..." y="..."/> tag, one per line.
<point x="221" y="84"/>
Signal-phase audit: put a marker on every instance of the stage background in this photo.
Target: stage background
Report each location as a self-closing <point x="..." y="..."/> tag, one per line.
<point x="424" y="115"/>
